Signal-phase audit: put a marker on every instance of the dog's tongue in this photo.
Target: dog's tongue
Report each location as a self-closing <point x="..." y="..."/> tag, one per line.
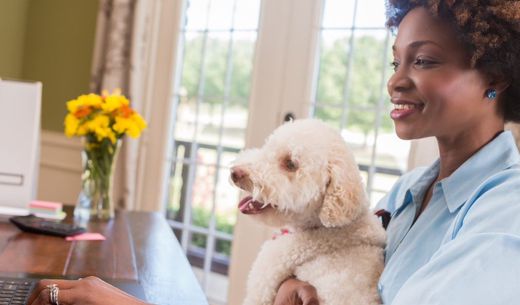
<point x="250" y="206"/>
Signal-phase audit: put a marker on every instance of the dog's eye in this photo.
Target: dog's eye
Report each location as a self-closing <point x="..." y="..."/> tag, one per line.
<point x="290" y="164"/>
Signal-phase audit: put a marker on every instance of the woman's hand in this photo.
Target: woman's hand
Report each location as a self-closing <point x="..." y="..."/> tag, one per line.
<point x="295" y="292"/>
<point x="88" y="291"/>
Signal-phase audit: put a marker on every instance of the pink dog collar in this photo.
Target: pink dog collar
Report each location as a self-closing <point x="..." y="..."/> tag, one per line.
<point x="282" y="233"/>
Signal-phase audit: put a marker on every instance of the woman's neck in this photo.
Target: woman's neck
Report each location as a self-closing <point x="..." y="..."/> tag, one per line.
<point x="454" y="151"/>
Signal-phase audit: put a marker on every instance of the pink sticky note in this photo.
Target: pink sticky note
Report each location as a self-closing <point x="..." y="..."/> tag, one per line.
<point x="86" y="236"/>
<point x="46" y="204"/>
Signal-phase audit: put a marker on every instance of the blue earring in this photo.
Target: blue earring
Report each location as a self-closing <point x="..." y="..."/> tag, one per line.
<point x="491" y="94"/>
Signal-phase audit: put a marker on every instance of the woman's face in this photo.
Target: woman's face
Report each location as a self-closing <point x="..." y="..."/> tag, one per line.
<point x="434" y="90"/>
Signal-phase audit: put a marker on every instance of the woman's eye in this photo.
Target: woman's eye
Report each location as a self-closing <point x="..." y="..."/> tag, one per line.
<point x="424" y="62"/>
<point x="394" y="64"/>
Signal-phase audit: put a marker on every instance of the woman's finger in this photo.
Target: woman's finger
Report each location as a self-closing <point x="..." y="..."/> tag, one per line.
<point x="65" y="296"/>
<point x="308" y="295"/>
<point x="38" y="298"/>
<point x="41" y="289"/>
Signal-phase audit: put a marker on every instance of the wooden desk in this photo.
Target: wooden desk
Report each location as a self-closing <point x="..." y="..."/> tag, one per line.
<point x="140" y="246"/>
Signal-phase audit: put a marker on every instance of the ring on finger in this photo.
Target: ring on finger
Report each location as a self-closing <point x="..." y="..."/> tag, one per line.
<point x="53" y="294"/>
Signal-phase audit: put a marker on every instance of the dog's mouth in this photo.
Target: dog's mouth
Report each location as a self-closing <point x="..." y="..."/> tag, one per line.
<point x="250" y="206"/>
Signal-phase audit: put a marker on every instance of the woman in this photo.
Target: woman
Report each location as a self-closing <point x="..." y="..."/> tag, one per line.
<point x="455" y="233"/>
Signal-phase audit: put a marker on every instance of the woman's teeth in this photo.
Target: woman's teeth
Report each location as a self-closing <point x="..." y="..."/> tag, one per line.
<point x="404" y="106"/>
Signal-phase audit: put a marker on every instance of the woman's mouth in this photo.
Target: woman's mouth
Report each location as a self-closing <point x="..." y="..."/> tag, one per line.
<point x="403" y="110"/>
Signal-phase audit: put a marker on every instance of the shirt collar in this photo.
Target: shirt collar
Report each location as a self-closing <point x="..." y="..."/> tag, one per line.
<point x="418" y="186"/>
<point x="499" y="154"/>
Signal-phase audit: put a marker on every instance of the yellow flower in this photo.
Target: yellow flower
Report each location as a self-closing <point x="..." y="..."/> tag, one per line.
<point x="71" y="125"/>
<point x="131" y="126"/>
<point x="114" y="102"/>
<point x="138" y="119"/>
<point x="98" y="122"/>
<point x="106" y="116"/>
<point x="99" y="125"/>
<point x="84" y="104"/>
<point x="133" y="132"/>
<point x="82" y="112"/>
<point x="82" y="129"/>
<point x="121" y="125"/>
<point x="112" y="136"/>
<point x="101" y="120"/>
<point x="105" y="133"/>
<point x="91" y="100"/>
<point x="73" y="105"/>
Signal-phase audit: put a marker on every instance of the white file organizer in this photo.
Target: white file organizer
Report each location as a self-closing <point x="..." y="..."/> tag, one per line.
<point x="20" y="104"/>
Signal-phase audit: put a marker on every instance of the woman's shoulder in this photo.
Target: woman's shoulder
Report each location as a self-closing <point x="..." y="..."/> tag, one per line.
<point x="494" y="206"/>
<point x="501" y="188"/>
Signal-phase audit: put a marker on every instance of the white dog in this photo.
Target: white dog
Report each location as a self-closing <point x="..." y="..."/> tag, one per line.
<point x="305" y="179"/>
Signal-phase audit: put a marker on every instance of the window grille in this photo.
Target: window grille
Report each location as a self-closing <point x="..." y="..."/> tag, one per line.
<point x="210" y="116"/>
<point x="350" y="89"/>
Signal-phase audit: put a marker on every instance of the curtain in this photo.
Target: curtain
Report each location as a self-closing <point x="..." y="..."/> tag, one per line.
<point x="112" y="68"/>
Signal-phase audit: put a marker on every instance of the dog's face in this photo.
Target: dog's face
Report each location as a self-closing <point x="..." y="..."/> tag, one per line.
<point x="304" y="176"/>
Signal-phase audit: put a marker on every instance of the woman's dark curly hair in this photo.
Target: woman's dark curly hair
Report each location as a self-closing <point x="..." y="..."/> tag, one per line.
<point x="490" y="30"/>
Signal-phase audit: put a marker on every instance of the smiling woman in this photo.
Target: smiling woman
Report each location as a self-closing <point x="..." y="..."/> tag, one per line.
<point x="435" y="90"/>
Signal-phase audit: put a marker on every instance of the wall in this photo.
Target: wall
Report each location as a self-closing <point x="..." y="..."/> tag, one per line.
<point x="51" y="41"/>
<point x="60" y="168"/>
<point x="423" y="152"/>
<point x="59" y="42"/>
<point x="13" y="19"/>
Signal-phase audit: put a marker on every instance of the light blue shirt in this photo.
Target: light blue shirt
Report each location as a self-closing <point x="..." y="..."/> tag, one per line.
<point x="464" y="249"/>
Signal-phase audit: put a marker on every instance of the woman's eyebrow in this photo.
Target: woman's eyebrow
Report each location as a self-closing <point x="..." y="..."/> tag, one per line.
<point x="419" y="43"/>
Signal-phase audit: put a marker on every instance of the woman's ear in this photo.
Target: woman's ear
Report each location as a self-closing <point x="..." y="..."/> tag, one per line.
<point x="498" y="82"/>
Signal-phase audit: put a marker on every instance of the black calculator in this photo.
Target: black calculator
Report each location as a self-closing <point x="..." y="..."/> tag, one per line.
<point x="34" y="224"/>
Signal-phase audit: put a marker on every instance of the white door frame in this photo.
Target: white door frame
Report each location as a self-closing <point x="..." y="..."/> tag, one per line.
<point x="158" y="89"/>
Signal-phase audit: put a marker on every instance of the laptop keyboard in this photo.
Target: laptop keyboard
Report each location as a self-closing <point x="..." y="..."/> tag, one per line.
<point x="15" y="291"/>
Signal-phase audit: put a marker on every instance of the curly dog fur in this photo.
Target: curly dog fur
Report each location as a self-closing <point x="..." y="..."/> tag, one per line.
<point x="305" y="179"/>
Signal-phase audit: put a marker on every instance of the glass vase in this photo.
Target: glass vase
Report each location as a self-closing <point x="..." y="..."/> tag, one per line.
<point x="95" y="200"/>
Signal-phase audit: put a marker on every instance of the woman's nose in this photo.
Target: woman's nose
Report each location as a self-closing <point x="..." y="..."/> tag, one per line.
<point x="399" y="81"/>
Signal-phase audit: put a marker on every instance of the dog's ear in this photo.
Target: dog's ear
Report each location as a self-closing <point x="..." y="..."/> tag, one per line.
<point x="345" y="196"/>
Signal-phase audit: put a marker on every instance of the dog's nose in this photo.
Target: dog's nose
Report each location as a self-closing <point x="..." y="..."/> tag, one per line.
<point x="238" y="174"/>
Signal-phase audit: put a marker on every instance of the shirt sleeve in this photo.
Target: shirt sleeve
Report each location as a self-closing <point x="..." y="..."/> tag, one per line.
<point x="480" y="269"/>
<point x="480" y="262"/>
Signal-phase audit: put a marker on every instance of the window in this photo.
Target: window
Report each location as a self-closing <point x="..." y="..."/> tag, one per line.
<point x="354" y="66"/>
<point x="211" y="112"/>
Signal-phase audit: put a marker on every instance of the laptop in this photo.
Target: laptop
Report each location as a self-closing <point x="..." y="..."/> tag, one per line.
<point x="16" y="291"/>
